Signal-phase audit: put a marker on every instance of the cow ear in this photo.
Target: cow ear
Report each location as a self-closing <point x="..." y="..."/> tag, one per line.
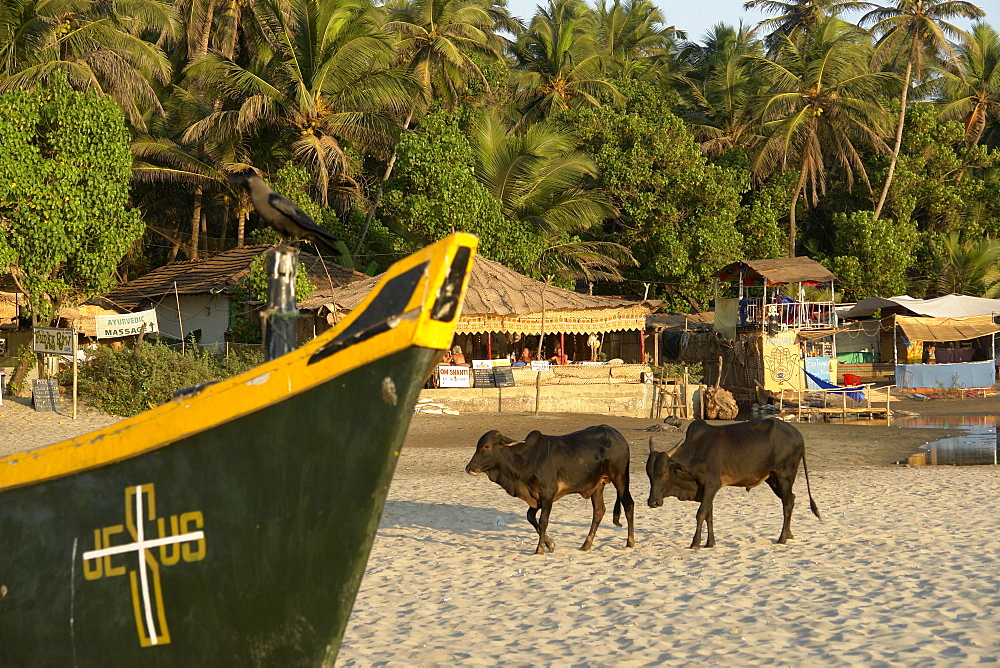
<point x="680" y="471"/>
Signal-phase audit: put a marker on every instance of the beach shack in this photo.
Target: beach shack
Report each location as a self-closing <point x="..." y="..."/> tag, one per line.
<point x="505" y="312"/>
<point x="941" y="343"/>
<point x="194" y="299"/>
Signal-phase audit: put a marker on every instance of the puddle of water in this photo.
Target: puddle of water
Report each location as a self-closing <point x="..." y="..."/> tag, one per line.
<point x="977" y="444"/>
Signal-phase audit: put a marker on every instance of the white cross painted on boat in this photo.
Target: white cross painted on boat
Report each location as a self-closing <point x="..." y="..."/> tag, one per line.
<point x="140" y="546"/>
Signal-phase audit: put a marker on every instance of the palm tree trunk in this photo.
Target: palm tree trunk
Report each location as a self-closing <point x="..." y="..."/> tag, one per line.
<point x="381" y="187"/>
<point x="241" y="224"/>
<point x="791" y="212"/>
<point x="899" y="133"/>
<point x="195" y="224"/>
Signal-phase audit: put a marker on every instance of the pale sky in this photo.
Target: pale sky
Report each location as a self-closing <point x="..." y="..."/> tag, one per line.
<point x="696" y="17"/>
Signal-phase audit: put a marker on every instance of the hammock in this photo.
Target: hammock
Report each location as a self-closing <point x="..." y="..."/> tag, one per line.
<point x="856" y="395"/>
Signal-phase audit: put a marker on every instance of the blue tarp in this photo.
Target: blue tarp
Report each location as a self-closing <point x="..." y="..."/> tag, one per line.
<point x="856" y="395"/>
<point x="946" y="376"/>
<point x="818" y="367"/>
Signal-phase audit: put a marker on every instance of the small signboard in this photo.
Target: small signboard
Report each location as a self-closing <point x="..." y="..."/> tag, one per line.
<point x="482" y="364"/>
<point x="53" y="341"/>
<point x="540" y="365"/>
<point x="483" y="377"/>
<point x="454" y="376"/>
<point x="126" y="324"/>
<point x="503" y="376"/>
<point x="45" y="394"/>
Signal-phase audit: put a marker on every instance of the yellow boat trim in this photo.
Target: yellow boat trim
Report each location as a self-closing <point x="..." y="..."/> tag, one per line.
<point x="259" y="387"/>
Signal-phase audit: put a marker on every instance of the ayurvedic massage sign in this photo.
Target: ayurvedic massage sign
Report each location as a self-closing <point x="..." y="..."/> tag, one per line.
<point x="126" y="324"/>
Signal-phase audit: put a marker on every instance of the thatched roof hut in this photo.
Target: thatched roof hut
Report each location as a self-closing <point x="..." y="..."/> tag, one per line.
<point x="778" y="271"/>
<point x="501" y="300"/>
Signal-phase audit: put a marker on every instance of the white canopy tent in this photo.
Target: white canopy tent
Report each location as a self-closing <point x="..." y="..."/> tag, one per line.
<point x="948" y="306"/>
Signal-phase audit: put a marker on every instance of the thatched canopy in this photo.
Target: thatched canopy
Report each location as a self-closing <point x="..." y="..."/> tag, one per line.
<point x="946" y="329"/>
<point x="501" y="300"/>
<point x="778" y="271"/>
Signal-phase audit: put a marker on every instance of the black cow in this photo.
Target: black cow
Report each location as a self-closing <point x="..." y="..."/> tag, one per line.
<point x="541" y="469"/>
<point x="744" y="454"/>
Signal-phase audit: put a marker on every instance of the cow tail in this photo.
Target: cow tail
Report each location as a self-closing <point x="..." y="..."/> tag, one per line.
<point x="812" y="504"/>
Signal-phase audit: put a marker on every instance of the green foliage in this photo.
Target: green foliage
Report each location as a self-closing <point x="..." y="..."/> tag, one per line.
<point x="252" y="287"/>
<point x="760" y="219"/>
<point x="127" y="382"/>
<point x="932" y="183"/>
<point x="26" y="359"/>
<point x="678" y="211"/>
<point x="434" y="191"/>
<point x="64" y="189"/>
<point x="872" y="256"/>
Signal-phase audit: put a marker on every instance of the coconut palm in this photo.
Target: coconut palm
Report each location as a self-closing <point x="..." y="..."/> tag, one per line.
<point x="970" y="88"/>
<point x="915" y="31"/>
<point x="97" y="45"/>
<point x="970" y="266"/>
<point x="437" y="40"/>
<point x="822" y="110"/>
<point x="537" y="176"/>
<point x="559" y="64"/>
<point x="720" y="88"/>
<point x="319" y="79"/>
<point x="633" y="34"/>
<point x="795" y="19"/>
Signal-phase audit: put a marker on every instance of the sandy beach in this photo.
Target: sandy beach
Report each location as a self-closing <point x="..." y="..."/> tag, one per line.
<point x="901" y="571"/>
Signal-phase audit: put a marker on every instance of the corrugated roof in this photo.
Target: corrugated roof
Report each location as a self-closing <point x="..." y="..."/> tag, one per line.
<point x="493" y="290"/>
<point x="214" y="275"/>
<point x="779" y="271"/>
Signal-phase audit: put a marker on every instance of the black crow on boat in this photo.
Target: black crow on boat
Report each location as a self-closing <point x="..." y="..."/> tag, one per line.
<point x="281" y="214"/>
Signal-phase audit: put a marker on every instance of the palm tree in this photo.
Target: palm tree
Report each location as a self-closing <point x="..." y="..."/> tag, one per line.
<point x="96" y="44"/>
<point x="970" y="266"/>
<point x="970" y="88"/>
<point x="559" y="64"/>
<point x="822" y="110"/>
<point x="537" y="176"/>
<point x="720" y="88"/>
<point x="796" y="18"/>
<point x="436" y="42"/>
<point x="916" y="30"/>
<point x="320" y="79"/>
<point x="633" y="35"/>
<point x="437" y="39"/>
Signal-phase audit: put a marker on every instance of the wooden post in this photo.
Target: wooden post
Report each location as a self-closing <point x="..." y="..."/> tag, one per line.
<point x="538" y="389"/>
<point x="279" y="331"/>
<point x="489" y="345"/>
<point x="844" y="396"/>
<point x="180" y="320"/>
<point x="642" y="346"/>
<point x="684" y="389"/>
<point x="75" y="370"/>
<point x="798" y="412"/>
<point x="888" y="398"/>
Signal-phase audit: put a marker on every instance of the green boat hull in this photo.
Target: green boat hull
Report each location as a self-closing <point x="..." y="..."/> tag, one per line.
<point x="264" y="525"/>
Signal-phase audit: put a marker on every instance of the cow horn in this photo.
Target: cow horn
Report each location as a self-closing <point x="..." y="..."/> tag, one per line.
<point x="651" y="450"/>
<point x="510" y="443"/>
